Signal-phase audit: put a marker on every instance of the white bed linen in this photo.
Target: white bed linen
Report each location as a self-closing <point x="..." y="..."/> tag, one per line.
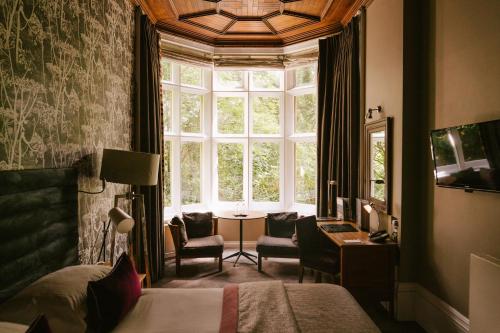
<point x="175" y="310"/>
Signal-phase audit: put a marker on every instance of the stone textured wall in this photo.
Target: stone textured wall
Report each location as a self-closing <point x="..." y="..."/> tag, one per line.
<point x="66" y="92"/>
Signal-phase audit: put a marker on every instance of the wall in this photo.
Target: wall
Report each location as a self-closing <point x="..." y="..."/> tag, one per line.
<point x="384" y="78"/>
<point x="465" y="85"/>
<point x="65" y="92"/>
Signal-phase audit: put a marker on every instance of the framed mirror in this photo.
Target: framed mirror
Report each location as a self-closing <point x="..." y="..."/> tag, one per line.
<point x="378" y="164"/>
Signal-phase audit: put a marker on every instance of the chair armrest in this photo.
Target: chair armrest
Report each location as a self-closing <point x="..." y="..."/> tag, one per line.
<point x="215" y="223"/>
<point x="176" y="236"/>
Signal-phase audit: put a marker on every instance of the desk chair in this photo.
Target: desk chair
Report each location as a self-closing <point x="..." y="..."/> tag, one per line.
<point x="312" y="251"/>
<point x="195" y="236"/>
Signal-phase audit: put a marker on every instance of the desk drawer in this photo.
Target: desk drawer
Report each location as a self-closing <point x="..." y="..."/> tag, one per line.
<point x="367" y="267"/>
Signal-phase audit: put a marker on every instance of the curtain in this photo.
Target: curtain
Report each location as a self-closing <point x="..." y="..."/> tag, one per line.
<point x="148" y="138"/>
<point x="338" y="116"/>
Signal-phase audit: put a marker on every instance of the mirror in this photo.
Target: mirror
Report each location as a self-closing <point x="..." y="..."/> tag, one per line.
<point x="377" y="178"/>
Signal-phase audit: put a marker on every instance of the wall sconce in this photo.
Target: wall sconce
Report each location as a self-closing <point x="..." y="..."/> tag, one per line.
<point x="378" y="109"/>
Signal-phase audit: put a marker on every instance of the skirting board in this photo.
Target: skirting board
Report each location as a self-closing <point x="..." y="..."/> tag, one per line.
<point x="416" y="303"/>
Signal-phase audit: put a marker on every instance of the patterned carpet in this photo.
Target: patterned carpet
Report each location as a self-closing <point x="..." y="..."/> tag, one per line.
<point x="202" y="273"/>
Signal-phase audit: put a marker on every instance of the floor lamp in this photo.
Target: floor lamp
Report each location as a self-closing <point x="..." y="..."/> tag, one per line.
<point x="131" y="168"/>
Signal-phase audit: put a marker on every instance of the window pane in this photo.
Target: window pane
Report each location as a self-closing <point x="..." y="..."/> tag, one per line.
<point x="167" y="174"/>
<point x="266" y="80"/>
<point x="230" y="171"/>
<point x="191" y="106"/>
<point x="305" y="113"/>
<point x="230" y="115"/>
<point x="304" y="76"/>
<point x="305" y="172"/>
<point x="166" y="70"/>
<point x="191" y="76"/>
<point x="229" y="79"/>
<point x="266" y="172"/>
<point x="190" y="173"/>
<point x="167" y="96"/>
<point x="266" y="115"/>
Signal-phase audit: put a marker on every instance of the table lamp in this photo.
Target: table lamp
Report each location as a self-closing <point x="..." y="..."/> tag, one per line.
<point x="131" y="168"/>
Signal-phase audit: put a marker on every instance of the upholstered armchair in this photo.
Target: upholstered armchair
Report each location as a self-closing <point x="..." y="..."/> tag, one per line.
<point x="279" y="240"/>
<point x="195" y="236"/>
<point x="313" y="251"/>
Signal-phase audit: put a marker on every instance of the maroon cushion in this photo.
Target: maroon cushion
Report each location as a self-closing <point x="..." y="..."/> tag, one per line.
<point x="40" y="325"/>
<point x="111" y="298"/>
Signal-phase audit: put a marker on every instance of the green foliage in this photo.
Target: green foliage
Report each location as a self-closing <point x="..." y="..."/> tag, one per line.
<point x="230" y="171"/>
<point x="166" y="70"/>
<point x="305" y="172"/>
<point x="378" y="170"/>
<point x="167" y="174"/>
<point x="230" y="115"/>
<point x="304" y="76"/>
<point x="191" y="108"/>
<point x="266" y="115"/>
<point x="266" y="172"/>
<point x="305" y="113"/>
<point x="167" y="96"/>
<point x="443" y="149"/>
<point x="266" y="80"/>
<point x="191" y="75"/>
<point x="472" y="145"/>
<point x="230" y="79"/>
<point x="190" y="173"/>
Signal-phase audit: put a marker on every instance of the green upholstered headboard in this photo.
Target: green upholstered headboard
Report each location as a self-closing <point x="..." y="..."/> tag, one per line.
<point x="38" y="225"/>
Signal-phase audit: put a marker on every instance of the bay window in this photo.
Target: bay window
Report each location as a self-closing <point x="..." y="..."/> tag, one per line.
<point x="239" y="136"/>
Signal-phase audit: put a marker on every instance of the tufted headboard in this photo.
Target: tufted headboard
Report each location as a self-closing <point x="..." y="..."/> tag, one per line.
<point x="38" y="225"/>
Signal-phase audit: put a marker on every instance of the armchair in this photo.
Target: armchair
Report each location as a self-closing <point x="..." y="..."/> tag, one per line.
<point x="278" y="241"/>
<point x="195" y="236"/>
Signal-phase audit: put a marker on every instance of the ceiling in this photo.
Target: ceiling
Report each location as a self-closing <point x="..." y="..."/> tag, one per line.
<point x="250" y="22"/>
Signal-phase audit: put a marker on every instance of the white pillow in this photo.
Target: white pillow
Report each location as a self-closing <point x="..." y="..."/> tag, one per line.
<point x="61" y="296"/>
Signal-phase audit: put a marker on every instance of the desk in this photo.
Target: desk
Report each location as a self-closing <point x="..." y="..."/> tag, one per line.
<point x="366" y="268"/>
<point x="249" y="215"/>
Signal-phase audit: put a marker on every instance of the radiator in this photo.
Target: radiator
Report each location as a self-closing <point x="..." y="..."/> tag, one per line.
<point x="484" y="294"/>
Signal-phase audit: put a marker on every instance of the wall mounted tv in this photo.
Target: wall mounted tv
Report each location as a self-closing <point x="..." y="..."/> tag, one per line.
<point x="468" y="156"/>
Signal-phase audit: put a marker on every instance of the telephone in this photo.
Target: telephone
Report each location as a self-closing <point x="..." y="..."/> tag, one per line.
<point x="378" y="236"/>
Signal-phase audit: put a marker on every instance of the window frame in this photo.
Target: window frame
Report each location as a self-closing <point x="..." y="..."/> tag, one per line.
<point x="210" y="138"/>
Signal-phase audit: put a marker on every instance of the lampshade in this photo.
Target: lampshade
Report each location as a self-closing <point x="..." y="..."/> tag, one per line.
<point x="122" y="221"/>
<point x="129" y="167"/>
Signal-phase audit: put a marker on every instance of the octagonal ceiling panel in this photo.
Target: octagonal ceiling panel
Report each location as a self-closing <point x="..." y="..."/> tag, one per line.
<point x="250" y="22"/>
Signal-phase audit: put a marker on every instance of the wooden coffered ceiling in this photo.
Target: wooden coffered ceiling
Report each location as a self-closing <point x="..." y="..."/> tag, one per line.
<point x="250" y="22"/>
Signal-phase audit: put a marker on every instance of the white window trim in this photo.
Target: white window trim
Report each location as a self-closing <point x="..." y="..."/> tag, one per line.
<point x="210" y="138"/>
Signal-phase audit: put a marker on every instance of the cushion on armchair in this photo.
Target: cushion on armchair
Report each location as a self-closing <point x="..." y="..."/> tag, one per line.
<point x="198" y="224"/>
<point x="177" y="221"/>
<point x="210" y="246"/>
<point x="281" y="224"/>
<point x="277" y="246"/>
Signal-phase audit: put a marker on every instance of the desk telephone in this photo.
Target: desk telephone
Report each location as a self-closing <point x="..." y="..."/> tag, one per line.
<point x="378" y="236"/>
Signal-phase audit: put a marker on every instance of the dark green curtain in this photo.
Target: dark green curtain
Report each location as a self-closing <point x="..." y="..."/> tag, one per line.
<point x="148" y="138"/>
<point x="338" y="116"/>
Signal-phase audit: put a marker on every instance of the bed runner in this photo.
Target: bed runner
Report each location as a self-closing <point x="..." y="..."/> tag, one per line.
<point x="257" y="307"/>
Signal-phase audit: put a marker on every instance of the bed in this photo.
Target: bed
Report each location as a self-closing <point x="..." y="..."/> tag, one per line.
<point x="38" y="251"/>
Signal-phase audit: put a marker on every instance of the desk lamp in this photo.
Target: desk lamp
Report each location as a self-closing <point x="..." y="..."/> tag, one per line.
<point x="131" y="168"/>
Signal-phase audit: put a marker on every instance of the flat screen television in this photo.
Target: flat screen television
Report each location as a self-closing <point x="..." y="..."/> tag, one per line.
<point x="468" y="156"/>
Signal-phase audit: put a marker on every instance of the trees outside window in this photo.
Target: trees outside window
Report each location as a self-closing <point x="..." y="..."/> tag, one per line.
<point x="236" y="136"/>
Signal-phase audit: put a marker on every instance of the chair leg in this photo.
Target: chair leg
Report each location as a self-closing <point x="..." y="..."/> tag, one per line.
<point x="318" y="277"/>
<point x="259" y="263"/>
<point x="220" y="263"/>
<point x="177" y="266"/>
<point x="301" y="273"/>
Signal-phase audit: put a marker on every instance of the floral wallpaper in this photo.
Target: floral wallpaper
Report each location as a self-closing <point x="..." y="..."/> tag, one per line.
<point x="65" y="93"/>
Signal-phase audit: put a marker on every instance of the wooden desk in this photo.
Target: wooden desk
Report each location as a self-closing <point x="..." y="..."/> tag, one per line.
<point x="366" y="268"/>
